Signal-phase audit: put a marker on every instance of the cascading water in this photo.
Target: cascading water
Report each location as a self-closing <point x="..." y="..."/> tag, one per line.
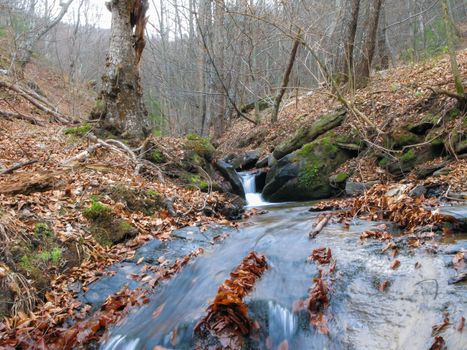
<point x="253" y="198"/>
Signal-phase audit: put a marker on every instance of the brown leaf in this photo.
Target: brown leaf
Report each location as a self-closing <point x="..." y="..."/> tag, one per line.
<point x="458" y="260"/>
<point x="438" y="344"/>
<point x="395" y="264"/>
<point x="460" y="324"/>
<point x="383" y="285"/>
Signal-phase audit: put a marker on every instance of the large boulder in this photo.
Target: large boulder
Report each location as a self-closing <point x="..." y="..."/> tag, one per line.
<point x="309" y="133"/>
<point x="229" y="173"/>
<point x="304" y="174"/>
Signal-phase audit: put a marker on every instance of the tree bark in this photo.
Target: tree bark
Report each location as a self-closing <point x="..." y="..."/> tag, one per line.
<point x="119" y="106"/>
<point x="452" y="54"/>
<point x="345" y="36"/>
<point x="363" y="66"/>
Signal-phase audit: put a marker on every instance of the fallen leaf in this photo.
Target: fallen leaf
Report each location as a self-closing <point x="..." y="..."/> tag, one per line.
<point x="395" y="264"/>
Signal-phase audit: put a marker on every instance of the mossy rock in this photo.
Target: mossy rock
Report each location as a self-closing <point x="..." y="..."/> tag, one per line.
<point x="309" y="133"/>
<point x="200" y="145"/>
<point x="105" y="227"/>
<point x="304" y="174"/>
<point x="429" y="121"/>
<point x="409" y="159"/>
<point x="136" y="199"/>
<point x="400" y="138"/>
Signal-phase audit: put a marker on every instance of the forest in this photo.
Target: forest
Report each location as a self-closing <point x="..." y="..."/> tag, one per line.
<point x="244" y="174"/>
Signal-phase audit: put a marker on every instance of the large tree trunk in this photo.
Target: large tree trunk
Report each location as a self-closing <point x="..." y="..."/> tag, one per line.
<point x="344" y="36"/>
<point x="120" y="107"/>
<point x="363" y="66"/>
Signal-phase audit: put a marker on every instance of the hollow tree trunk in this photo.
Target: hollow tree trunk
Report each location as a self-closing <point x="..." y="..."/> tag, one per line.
<point x="119" y="106"/>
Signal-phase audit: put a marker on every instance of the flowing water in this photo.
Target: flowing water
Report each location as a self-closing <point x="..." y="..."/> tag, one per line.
<point x="253" y="198"/>
<point x="359" y="315"/>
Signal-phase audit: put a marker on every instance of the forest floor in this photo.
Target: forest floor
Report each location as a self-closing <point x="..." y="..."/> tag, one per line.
<point x="60" y="196"/>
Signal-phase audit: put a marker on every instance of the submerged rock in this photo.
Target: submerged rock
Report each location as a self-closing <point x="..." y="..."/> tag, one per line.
<point x="304" y="174"/>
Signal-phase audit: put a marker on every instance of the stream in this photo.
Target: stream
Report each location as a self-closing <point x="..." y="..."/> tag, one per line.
<point x="359" y="315"/>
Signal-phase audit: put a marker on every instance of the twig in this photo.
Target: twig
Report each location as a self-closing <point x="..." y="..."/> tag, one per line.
<point x="314" y="232"/>
<point x="18" y="166"/>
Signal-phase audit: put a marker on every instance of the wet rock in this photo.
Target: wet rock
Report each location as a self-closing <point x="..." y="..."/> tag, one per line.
<point x="245" y="161"/>
<point x="260" y="180"/>
<point x="263" y="163"/>
<point x="233" y="208"/>
<point x="304" y="174"/>
<point x="229" y="173"/>
<point x="309" y="133"/>
<point x="417" y="191"/>
<point x="461" y="277"/>
<point x="353" y="188"/>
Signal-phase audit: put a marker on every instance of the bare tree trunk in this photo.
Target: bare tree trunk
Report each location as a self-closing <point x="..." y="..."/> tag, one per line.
<point x="363" y="67"/>
<point x="220" y="101"/>
<point x="285" y="81"/>
<point x="345" y="36"/>
<point x="26" y="46"/>
<point x="452" y="54"/>
<point x="383" y="47"/>
<point x="120" y="105"/>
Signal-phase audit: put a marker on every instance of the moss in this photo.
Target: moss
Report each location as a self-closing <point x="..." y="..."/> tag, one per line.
<point x="124" y="227"/>
<point x="408" y="156"/>
<point x="36" y="260"/>
<point x="198" y="182"/>
<point x="98" y="212"/>
<point x="200" y="145"/>
<point x="308" y="174"/>
<point x="78" y="130"/>
<point x="341" y="177"/>
<point x="383" y="163"/>
<point x="400" y="139"/>
<point x="42" y="230"/>
<point x="135" y="199"/>
<point x="157" y="156"/>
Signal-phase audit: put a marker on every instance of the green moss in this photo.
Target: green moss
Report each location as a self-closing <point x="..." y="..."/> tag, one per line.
<point x="157" y="156"/>
<point x="341" y="177"/>
<point x="152" y="193"/>
<point x="78" y="130"/>
<point x="308" y="174"/>
<point x="34" y="261"/>
<point x="200" y="145"/>
<point x="42" y="230"/>
<point x="124" y="227"/>
<point x="383" y="162"/>
<point x="97" y="212"/>
<point x="198" y="182"/>
<point x="408" y="156"/>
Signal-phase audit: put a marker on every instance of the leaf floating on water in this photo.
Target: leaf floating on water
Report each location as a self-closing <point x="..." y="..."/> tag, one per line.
<point x="158" y="311"/>
<point x="380" y="235"/>
<point x="383" y="286"/>
<point x="436" y="329"/>
<point x="283" y="346"/>
<point x="418" y="265"/>
<point x="438" y="344"/>
<point x="321" y="255"/>
<point x="460" y="324"/>
<point x="395" y="264"/>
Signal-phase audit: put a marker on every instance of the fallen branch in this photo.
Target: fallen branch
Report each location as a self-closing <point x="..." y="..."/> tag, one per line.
<point x="317" y="229"/>
<point x="18" y="166"/>
<point x="13" y="115"/>
<point x="58" y="117"/>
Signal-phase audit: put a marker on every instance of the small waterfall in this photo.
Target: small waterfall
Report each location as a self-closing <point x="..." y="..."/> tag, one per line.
<point x="282" y="322"/>
<point x="253" y="198"/>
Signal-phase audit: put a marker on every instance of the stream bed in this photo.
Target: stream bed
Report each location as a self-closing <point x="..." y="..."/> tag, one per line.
<point x="359" y="315"/>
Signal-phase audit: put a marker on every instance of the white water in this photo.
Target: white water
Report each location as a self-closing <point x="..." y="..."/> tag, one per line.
<point x="253" y="198"/>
